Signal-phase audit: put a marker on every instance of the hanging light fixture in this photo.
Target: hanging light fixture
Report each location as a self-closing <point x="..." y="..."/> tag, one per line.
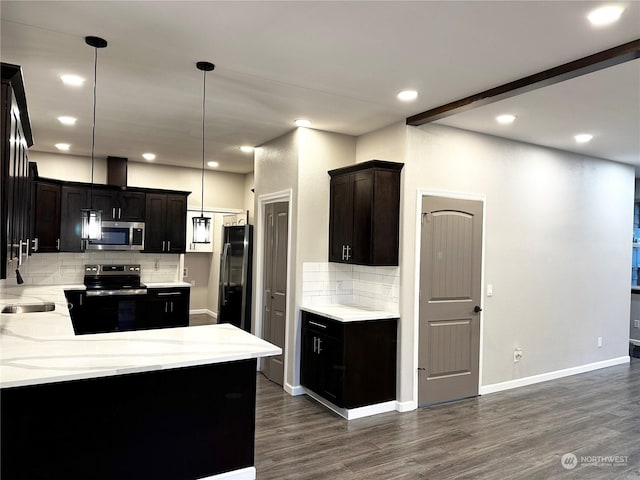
<point x="92" y="218"/>
<point x="202" y="224"/>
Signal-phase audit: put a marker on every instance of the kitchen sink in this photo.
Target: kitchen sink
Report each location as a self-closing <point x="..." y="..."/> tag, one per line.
<point x="29" y="308"/>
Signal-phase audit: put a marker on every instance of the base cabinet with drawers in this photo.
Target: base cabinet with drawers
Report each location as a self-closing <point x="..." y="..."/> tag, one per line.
<point x="350" y="364"/>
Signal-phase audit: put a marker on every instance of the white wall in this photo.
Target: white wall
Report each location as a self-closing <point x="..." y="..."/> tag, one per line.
<point x="557" y="247"/>
<point x="299" y="161"/>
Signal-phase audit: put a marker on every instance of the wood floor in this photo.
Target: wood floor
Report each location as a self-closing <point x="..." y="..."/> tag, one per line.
<point x="520" y="433"/>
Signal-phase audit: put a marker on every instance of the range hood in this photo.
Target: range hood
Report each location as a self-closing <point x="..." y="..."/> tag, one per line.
<point x="117" y="171"/>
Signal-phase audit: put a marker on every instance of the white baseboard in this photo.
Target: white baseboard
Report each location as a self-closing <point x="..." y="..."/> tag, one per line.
<point x="248" y="473"/>
<point x="353" y="413"/>
<point x="406" y="406"/>
<point x="544" y="377"/>
<point x="206" y="311"/>
<point x="294" y="391"/>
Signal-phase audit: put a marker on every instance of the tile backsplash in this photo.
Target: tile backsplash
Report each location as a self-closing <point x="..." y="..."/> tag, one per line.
<point x="68" y="268"/>
<point x="331" y="283"/>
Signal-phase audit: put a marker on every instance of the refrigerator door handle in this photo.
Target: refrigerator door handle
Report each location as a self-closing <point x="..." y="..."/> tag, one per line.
<point x="225" y="278"/>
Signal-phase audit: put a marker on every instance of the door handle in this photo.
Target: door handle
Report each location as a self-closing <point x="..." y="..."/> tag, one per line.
<point x="477" y="309"/>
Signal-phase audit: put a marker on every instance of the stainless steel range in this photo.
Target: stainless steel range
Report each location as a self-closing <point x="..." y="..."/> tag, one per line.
<point x="115" y="300"/>
<point x="108" y="280"/>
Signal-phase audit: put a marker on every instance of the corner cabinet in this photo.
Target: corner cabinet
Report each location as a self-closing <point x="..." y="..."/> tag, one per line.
<point x="350" y="364"/>
<point x="166" y="223"/>
<point x="364" y="213"/>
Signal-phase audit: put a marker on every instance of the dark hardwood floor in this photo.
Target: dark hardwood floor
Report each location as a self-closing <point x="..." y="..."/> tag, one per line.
<point x="521" y="433"/>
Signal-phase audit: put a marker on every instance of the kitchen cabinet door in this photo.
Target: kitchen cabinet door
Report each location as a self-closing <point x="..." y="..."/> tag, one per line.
<point x="72" y="201"/>
<point x="47" y="217"/>
<point x="340" y="217"/>
<point x="119" y="205"/>
<point x="176" y="223"/>
<point x="167" y="307"/>
<point x="165" y="223"/>
<point x="155" y="222"/>
<point x="364" y="213"/>
<point x="131" y="205"/>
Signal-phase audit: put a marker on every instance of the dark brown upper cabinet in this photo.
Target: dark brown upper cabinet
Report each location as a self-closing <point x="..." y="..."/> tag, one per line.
<point x="364" y="213"/>
<point x="119" y="205"/>
<point x="46" y="217"/>
<point x="166" y="223"/>
<point x="15" y="181"/>
<point x="72" y="200"/>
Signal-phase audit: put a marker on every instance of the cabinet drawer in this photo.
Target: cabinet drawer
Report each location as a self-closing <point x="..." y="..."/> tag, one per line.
<point x="322" y="325"/>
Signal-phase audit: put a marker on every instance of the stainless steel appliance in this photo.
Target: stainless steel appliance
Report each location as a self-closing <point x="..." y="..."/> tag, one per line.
<point x="119" y="236"/>
<point x="115" y="299"/>
<point x="234" y="296"/>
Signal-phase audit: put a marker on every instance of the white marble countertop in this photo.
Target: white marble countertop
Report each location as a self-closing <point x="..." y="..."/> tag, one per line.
<point x="349" y="313"/>
<point x="167" y="284"/>
<point x="38" y="348"/>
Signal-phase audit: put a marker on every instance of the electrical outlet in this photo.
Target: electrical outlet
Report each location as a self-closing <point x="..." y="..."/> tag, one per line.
<point x="599" y="342"/>
<point x="193" y="283"/>
<point x="185" y="272"/>
<point x="517" y="355"/>
<point x="339" y="286"/>
<point x="636" y="323"/>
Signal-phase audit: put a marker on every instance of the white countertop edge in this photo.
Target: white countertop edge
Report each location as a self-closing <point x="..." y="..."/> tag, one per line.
<point x="86" y="375"/>
<point x="349" y="313"/>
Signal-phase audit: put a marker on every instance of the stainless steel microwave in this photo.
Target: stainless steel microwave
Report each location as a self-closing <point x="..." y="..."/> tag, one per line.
<point x="119" y="236"/>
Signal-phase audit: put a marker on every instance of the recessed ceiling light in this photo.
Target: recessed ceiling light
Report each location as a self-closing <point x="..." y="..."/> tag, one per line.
<point x="583" y="137"/>
<point x="506" y="118"/>
<point x="63" y="146"/>
<point x="302" y="122"/>
<point x="72" y="80"/>
<point x="149" y="156"/>
<point x="67" y="120"/>
<point x="407" y="95"/>
<point x="246" y="148"/>
<point x="213" y="164"/>
<point x="605" y="15"/>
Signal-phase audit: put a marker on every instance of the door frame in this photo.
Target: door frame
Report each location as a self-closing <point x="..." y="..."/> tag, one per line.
<point x="258" y="244"/>
<point x="416" y="294"/>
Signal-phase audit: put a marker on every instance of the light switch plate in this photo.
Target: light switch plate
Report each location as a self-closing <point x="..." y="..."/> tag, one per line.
<point x="490" y="290"/>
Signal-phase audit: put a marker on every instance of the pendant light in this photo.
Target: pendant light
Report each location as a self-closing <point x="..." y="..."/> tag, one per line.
<point x="92" y="218"/>
<point x="202" y="224"/>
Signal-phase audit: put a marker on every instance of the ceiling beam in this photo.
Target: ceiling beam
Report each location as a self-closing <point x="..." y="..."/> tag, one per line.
<point x="592" y="63"/>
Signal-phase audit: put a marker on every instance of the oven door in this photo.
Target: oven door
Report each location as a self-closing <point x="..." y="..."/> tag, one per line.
<point x="109" y="311"/>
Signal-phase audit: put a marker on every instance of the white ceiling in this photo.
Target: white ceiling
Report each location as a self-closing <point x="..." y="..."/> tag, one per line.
<point x="338" y="63"/>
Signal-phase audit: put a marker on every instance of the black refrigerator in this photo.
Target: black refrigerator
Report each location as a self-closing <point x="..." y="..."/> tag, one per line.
<point x="236" y="260"/>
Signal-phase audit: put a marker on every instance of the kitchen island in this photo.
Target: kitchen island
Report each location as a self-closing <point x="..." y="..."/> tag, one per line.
<point x="173" y="403"/>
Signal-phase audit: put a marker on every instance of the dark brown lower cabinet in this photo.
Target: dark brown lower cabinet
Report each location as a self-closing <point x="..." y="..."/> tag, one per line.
<point x="350" y="364"/>
<point x="181" y="423"/>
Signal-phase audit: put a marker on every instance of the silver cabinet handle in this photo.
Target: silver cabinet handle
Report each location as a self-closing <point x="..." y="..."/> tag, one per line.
<point x="35" y="244"/>
<point x="317" y="324"/>
<point x="167" y="294"/>
<point x="119" y="213"/>
<point x="113" y="212"/>
<point x="58" y="244"/>
<point x="319" y="344"/>
<point x="163" y="242"/>
<point x="315" y="344"/>
<point x="168" y="245"/>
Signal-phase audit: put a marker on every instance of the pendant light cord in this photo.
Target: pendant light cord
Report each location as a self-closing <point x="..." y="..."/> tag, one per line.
<point x="204" y="97"/>
<point x="93" y="133"/>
